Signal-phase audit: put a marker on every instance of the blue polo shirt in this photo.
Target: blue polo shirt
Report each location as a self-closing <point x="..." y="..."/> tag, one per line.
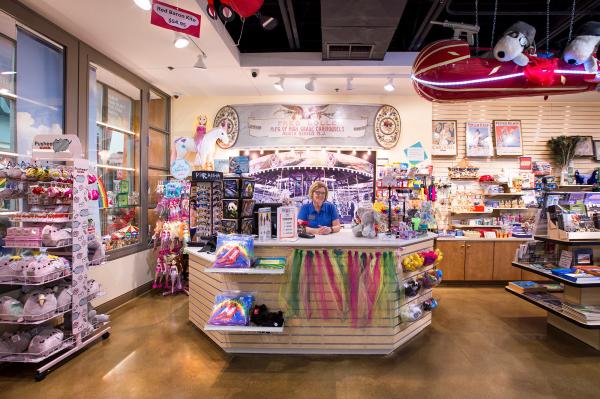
<point x="324" y="217"/>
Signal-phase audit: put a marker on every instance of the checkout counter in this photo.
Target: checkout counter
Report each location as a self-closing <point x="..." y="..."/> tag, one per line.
<point x="320" y="326"/>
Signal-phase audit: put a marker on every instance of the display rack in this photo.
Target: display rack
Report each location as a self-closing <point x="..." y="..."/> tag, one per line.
<point x="578" y="293"/>
<point x="77" y="331"/>
<point x="206" y="211"/>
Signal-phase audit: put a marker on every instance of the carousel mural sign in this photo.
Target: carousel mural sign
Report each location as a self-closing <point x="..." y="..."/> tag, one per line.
<point x="285" y="125"/>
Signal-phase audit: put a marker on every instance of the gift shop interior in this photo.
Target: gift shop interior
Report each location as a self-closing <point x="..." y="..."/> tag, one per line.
<point x="245" y="196"/>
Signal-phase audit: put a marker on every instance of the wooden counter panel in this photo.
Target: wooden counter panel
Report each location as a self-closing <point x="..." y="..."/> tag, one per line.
<point x="300" y="334"/>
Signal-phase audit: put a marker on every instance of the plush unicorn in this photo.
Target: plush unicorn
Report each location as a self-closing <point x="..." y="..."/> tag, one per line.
<point x="205" y="156"/>
<point x="182" y="146"/>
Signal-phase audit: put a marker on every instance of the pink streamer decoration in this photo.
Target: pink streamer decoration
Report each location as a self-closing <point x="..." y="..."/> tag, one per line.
<point x="307" y="283"/>
<point x="353" y="277"/>
<point x="375" y="284"/>
<point x="332" y="282"/>
<point x="321" y="285"/>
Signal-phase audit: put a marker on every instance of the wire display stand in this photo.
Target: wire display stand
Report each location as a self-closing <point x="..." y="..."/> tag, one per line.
<point x="78" y="331"/>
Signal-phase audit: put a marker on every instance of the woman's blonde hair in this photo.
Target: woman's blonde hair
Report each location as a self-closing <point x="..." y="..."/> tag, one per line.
<point x="315" y="186"/>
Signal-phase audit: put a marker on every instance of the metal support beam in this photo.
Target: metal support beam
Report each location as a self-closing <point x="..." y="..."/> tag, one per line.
<point x="285" y="18"/>
<point x="290" y="10"/>
<point x="434" y="12"/>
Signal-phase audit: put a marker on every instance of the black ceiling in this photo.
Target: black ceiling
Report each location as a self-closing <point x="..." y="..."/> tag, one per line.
<point x="413" y="31"/>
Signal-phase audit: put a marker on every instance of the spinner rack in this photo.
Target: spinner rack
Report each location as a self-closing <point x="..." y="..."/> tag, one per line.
<point x="67" y="149"/>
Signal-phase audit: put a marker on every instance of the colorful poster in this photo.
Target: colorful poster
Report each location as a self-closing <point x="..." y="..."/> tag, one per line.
<point x="349" y="177"/>
<point x="508" y="138"/>
<point x="479" y="139"/>
<point x="443" y="136"/>
<point x="175" y="18"/>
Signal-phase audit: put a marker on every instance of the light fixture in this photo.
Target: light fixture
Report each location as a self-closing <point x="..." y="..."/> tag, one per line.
<point x="8" y="73"/>
<point x="277" y="152"/>
<point x="200" y="61"/>
<point x="279" y="85"/>
<point x="262" y="151"/>
<point x="181" y="40"/>
<point x="310" y="86"/>
<point x="354" y="152"/>
<point x="339" y="152"/>
<point x="389" y="86"/>
<point x="349" y="84"/>
<point x="369" y="152"/>
<point x="247" y="152"/>
<point x="145" y="5"/>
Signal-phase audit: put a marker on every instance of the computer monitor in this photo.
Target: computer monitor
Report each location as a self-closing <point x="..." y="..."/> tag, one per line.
<point x="273" y="207"/>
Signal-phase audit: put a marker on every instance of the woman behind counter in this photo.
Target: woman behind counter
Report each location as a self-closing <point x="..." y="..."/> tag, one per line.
<point x="322" y="216"/>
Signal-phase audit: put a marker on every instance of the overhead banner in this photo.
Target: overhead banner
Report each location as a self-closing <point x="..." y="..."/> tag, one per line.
<point x="174" y="18"/>
<point x="288" y="125"/>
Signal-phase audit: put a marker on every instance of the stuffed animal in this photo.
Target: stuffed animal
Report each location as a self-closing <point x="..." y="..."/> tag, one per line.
<point x="515" y="41"/>
<point x="54" y="237"/>
<point x="365" y="222"/>
<point x="582" y="49"/>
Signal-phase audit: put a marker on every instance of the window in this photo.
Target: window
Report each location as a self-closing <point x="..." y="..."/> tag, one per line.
<point x="158" y="150"/>
<point x="114" y="149"/>
<point x="31" y="91"/>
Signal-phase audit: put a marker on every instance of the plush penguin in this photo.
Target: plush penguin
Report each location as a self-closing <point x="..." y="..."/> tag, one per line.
<point x="517" y="39"/>
<point x="582" y="49"/>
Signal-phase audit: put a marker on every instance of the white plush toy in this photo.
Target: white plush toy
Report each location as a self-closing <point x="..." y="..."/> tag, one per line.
<point x="582" y="50"/>
<point x="518" y="38"/>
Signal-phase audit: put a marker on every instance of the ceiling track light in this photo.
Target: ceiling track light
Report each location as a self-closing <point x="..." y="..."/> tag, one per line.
<point x="181" y="40"/>
<point x="279" y="84"/>
<point x="310" y="86"/>
<point x="145" y="5"/>
<point x="389" y="86"/>
<point x="200" y="64"/>
<point x="349" y="84"/>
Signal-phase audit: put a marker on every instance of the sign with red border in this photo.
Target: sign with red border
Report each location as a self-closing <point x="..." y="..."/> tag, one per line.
<point x="175" y="18"/>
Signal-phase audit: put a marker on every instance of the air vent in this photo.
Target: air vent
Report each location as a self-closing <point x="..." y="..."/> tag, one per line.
<point x="349" y="51"/>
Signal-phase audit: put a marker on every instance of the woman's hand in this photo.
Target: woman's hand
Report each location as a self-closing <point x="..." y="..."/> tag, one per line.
<point x="324" y="230"/>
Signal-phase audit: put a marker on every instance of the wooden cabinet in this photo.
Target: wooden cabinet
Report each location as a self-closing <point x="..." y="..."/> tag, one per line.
<point x="453" y="265"/>
<point x="479" y="260"/>
<point x="504" y="253"/>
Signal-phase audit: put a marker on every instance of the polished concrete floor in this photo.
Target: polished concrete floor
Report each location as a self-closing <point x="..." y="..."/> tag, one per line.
<point x="483" y="343"/>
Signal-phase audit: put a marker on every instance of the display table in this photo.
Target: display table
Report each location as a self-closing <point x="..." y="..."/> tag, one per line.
<point x="321" y="329"/>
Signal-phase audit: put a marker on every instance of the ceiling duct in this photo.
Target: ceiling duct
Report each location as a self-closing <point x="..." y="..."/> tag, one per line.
<point x="359" y="30"/>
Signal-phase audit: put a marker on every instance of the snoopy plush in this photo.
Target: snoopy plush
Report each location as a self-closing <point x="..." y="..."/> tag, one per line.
<point x="518" y="38"/>
<point x="582" y="49"/>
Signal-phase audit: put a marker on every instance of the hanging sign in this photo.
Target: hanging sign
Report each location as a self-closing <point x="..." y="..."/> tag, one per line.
<point x="175" y="18"/>
<point x="289" y="125"/>
<point x="415" y="153"/>
<point x="56" y="146"/>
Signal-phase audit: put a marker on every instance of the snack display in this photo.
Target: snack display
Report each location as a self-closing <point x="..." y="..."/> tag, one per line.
<point x="234" y="251"/>
<point x="231" y="308"/>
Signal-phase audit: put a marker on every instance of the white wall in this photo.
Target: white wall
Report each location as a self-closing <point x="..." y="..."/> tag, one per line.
<point x="415" y="114"/>
<point x="123" y="275"/>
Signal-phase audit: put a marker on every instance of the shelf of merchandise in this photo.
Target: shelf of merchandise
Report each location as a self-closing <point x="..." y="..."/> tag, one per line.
<point x="47" y="317"/>
<point x="586" y="293"/>
<point x="471" y="226"/>
<point x="224" y="270"/>
<point x="254" y="329"/>
<point x="503" y="194"/>
<point x="512" y="209"/>
<point x="22" y="280"/>
<point x="473" y="213"/>
<point x="568" y="243"/>
<point x="555" y="311"/>
<point x="538" y="271"/>
<point x="73" y="342"/>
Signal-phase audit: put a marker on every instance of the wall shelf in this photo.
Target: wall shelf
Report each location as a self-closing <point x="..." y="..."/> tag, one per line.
<point x="548" y="274"/>
<point x="252" y="270"/>
<point x="244" y="329"/>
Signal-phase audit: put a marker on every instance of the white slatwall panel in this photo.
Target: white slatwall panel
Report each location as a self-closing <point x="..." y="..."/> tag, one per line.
<point x="539" y="123"/>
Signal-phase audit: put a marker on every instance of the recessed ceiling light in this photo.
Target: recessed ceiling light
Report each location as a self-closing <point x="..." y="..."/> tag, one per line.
<point x="279" y="85"/>
<point x="310" y="86"/>
<point x="349" y="84"/>
<point x="389" y="86"/>
<point x="145" y="5"/>
<point x="181" y="41"/>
